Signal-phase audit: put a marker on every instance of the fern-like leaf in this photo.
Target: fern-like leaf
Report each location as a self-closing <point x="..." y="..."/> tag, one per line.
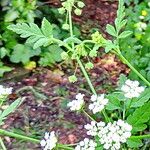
<point x="35" y="35"/>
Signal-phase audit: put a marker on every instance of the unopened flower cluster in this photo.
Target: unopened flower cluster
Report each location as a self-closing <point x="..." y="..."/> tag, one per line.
<point x="86" y="144"/>
<point x="98" y="103"/>
<point x="111" y="135"/>
<point x="5" y="91"/>
<point x="49" y="142"/>
<point x="76" y="104"/>
<point x="132" y="89"/>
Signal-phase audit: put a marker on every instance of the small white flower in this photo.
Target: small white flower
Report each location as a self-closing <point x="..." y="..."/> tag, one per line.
<point x="79" y="96"/>
<point x="5" y="91"/>
<point x="141" y="26"/>
<point x="98" y="103"/>
<point x="92" y="128"/>
<point x="77" y="104"/>
<point x="113" y="134"/>
<point x="49" y="141"/>
<point x="141" y="17"/>
<point x="149" y="4"/>
<point x="86" y="144"/>
<point x="132" y="89"/>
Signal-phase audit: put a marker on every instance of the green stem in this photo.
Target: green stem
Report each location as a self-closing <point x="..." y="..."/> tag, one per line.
<point x="140" y="136"/>
<point x="18" y="136"/>
<point x="105" y="116"/>
<point x="88" y="115"/>
<point x="124" y="110"/>
<point x="91" y="86"/>
<point x="70" y="22"/>
<point x="26" y="138"/>
<point x="133" y="69"/>
<point x="86" y="76"/>
<point x="64" y="147"/>
<point x="2" y="144"/>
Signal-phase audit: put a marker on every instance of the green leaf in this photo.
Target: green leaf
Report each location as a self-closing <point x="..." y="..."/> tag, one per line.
<point x="114" y="102"/>
<point x="38" y="37"/>
<point x="144" y="97"/>
<point x="23" y="53"/>
<point x="139" y="118"/>
<point x="134" y="143"/>
<point x="51" y="55"/>
<point x="40" y="42"/>
<point x="111" y="30"/>
<point x="109" y="46"/>
<point x="11" y="15"/>
<point x="46" y="28"/>
<point x="125" y="34"/>
<point x="72" y="39"/>
<point x="3" y="52"/>
<point x="119" y="22"/>
<point x="11" y="108"/>
<point x="4" y="69"/>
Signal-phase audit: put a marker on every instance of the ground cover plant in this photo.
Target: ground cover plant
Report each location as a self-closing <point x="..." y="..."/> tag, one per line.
<point x="129" y="103"/>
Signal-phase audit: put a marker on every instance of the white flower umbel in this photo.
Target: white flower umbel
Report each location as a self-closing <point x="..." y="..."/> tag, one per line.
<point x="114" y="134"/>
<point x="76" y="104"/>
<point x="86" y="144"/>
<point x="5" y="91"/>
<point x="94" y="128"/>
<point x="49" y="142"/>
<point x="132" y="89"/>
<point x="98" y="103"/>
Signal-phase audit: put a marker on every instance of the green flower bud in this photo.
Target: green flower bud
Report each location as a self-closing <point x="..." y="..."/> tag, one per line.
<point x="78" y="12"/>
<point x="65" y="26"/>
<point x="98" y="38"/>
<point x="81" y="50"/>
<point x="93" y="53"/>
<point x="61" y="10"/>
<point x="80" y="4"/>
<point x="72" y="79"/>
<point x="89" y="65"/>
<point x="64" y="56"/>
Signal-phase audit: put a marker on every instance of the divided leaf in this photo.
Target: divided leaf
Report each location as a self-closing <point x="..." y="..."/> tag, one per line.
<point x="139" y="118"/>
<point x="111" y="30"/>
<point x="38" y="37"/>
<point x="46" y="28"/>
<point x="125" y="34"/>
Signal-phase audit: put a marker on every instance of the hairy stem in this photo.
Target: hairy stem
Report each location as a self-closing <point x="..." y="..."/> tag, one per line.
<point x="133" y="69"/>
